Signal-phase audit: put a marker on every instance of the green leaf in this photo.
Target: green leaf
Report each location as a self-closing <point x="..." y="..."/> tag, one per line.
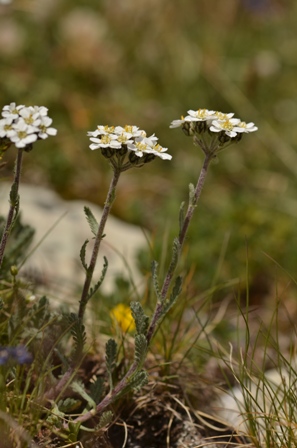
<point x="110" y="354"/>
<point x="140" y="348"/>
<point x="100" y="281"/>
<point x="191" y="193"/>
<point x="155" y="280"/>
<point x="176" y="290"/>
<point x="139" y="380"/>
<point x="69" y="405"/>
<point x="79" y="388"/>
<point x="110" y="358"/>
<point x="78" y="333"/>
<point x="141" y="320"/>
<point x="176" y="248"/>
<point x="13" y="195"/>
<point x="96" y="389"/>
<point x="82" y="255"/>
<point x="181" y="215"/>
<point x="105" y="419"/>
<point x="91" y="220"/>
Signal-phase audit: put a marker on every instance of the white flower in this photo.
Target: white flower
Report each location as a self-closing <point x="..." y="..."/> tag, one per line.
<point x="148" y="145"/>
<point x="101" y="130"/>
<point x="200" y="115"/>
<point x="227" y="125"/>
<point x="44" y="129"/>
<point x="160" y="151"/>
<point x="22" y="134"/>
<point x="5" y="126"/>
<point x="30" y="117"/>
<point x="245" y="127"/>
<point x="134" y="130"/>
<point x="106" y="141"/>
<point x="222" y="116"/>
<point x="177" y="123"/>
<point x="11" y="111"/>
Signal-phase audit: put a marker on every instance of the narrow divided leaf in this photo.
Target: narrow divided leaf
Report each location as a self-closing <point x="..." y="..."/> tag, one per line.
<point x="82" y="255"/>
<point x="191" y="193"/>
<point x="91" y="220"/>
<point x="141" y="320"/>
<point x="140" y="348"/>
<point x="78" y="333"/>
<point x="139" y="380"/>
<point x="175" y="255"/>
<point x="100" y="281"/>
<point x="96" y="389"/>
<point x="181" y="215"/>
<point x="78" y="387"/>
<point x="110" y="354"/>
<point x="105" y="419"/>
<point x="176" y="290"/>
<point x="155" y="280"/>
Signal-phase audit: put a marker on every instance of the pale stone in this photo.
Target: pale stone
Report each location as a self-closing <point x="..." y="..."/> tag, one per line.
<point x="56" y="258"/>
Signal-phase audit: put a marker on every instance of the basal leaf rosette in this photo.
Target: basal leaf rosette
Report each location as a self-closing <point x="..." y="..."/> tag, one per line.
<point x="213" y="130"/>
<point x="22" y="126"/>
<point x="127" y="146"/>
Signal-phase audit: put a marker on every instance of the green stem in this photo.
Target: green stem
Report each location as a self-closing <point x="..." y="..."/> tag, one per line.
<point x="14" y="198"/>
<point x="181" y="239"/>
<point x="90" y="271"/>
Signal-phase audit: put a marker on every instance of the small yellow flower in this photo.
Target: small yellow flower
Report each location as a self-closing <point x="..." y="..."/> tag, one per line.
<point x="122" y="315"/>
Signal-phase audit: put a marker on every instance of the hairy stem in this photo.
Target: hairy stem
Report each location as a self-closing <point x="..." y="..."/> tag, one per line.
<point x="181" y="238"/>
<point x="13" y="208"/>
<point x="90" y="271"/>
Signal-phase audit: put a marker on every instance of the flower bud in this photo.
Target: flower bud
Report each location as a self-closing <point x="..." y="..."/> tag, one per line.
<point x="223" y="138"/>
<point x="187" y="128"/>
<point x="14" y="270"/>
<point x="107" y="152"/>
<point x="148" y="158"/>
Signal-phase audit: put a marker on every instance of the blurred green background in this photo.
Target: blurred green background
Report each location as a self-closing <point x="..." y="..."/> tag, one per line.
<point x="146" y="62"/>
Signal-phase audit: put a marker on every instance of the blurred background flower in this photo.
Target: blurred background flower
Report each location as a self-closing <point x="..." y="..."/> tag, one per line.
<point x="122" y="317"/>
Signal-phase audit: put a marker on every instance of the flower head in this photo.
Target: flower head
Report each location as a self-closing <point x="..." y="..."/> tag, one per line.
<point x="122" y="316"/>
<point x="18" y="354"/>
<point x="213" y="130"/>
<point x="126" y="146"/>
<point x="24" y="125"/>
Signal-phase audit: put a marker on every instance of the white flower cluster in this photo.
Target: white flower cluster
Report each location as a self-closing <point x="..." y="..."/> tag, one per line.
<point x="24" y="125"/>
<point x="215" y="122"/>
<point x="131" y="138"/>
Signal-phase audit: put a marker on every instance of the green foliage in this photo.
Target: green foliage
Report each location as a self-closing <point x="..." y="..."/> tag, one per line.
<point x="139" y="380"/>
<point x="78" y="332"/>
<point x="20" y="239"/>
<point x="95" y="288"/>
<point x="156" y="280"/>
<point x="176" y="290"/>
<point x="140" y="349"/>
<point x="105" y="419"/>
<point x="82" y="255"/>
<point x="141" y="320"/>
<point x="91" y="220"/>
<point x="110" y="354"/>
<point x="96" y="389"/>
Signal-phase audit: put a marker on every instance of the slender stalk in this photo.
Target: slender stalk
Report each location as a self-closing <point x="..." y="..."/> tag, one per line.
<point x="181" y="239"/>
<point x="13" y="204"/>
<point x="119" y="388"/>
<point x="90" y="271"/>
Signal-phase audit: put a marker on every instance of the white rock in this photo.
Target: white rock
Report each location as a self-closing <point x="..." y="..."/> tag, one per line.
<point x="56" y="259"/>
